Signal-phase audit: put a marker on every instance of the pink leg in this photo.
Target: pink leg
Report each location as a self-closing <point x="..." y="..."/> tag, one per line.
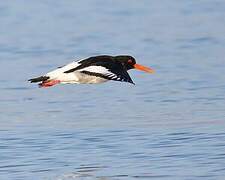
<point x="49" y="83"/>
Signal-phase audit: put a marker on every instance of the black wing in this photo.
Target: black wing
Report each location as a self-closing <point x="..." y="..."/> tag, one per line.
<point x="117" y="71"/>
<point x="105" y="67"/>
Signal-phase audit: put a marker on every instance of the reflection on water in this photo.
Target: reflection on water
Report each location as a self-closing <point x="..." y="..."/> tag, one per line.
<point x="170" y="125"/>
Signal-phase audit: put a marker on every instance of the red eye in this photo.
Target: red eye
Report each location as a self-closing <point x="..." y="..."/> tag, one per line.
<point x="130" y="61"/>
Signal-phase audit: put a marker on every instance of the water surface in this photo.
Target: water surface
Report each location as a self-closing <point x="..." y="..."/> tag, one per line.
<point x="170" y="125"/>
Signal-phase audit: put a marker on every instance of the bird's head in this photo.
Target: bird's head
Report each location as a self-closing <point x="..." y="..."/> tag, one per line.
<point x="130" y="63"/>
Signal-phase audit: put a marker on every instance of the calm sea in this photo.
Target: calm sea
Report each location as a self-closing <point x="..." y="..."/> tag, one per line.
<point x="170" y="125"/>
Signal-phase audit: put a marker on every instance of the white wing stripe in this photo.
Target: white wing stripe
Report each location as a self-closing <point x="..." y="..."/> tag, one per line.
<point x="98" y="69"/>
<point x="104" y="71"/>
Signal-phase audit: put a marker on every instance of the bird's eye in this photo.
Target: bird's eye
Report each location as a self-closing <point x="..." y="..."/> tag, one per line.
<point x="130" y="61"/>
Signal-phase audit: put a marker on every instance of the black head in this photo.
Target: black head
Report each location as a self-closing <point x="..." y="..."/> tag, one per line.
<point x="127" y="61"/>
<point x="130" y="63"/>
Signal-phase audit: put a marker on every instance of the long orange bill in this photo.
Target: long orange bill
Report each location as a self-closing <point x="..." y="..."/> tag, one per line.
<point x="143" y="68"/>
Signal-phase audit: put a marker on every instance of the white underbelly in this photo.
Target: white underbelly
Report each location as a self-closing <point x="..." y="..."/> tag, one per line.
<point x="80" y="78"/>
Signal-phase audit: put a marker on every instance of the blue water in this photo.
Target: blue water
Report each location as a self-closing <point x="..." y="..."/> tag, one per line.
<point x="170" y="125"/>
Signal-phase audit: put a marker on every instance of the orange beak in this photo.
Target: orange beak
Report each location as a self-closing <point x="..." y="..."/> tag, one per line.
<point x="143" y="68"/>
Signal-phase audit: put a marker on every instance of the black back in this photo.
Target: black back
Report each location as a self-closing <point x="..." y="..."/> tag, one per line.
<point x="111" y="63"/>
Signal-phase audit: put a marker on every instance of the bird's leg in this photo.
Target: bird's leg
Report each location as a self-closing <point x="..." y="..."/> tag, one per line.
<point x="49" y="83"/>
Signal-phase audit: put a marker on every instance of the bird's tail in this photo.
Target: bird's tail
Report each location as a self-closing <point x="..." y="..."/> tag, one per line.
<point x="39" y="79"/>
<point x="45" y="81"/>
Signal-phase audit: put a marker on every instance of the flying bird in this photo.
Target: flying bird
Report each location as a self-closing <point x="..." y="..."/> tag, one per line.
<point x="93" y="70"/>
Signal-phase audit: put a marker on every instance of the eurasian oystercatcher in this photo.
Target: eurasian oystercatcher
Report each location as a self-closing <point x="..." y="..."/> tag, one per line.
<point x="92" y="70"/>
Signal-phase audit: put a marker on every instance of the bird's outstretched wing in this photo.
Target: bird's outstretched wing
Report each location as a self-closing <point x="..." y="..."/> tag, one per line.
<point x="103" y="66"/>
<point x="115" y="72"/>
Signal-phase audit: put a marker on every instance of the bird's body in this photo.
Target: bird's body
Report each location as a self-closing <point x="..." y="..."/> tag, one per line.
<point x="93" y="70"/>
